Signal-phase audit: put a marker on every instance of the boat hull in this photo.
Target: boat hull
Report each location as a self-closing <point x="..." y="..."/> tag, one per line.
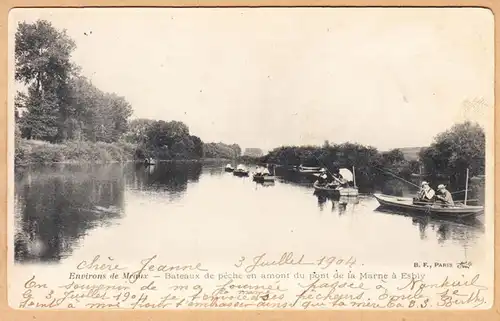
<point x="262" y="179"/>
<point x="240" y="173"/>
<point x="406" y="204"/>
<point x="229" y="170"/>
<point x="335" y="191"/>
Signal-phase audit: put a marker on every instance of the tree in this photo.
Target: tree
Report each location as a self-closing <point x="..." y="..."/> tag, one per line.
<point x="393" y="156"/>
<point x="253" y="152"/>
<point x="137" y="130"/>
<point x="221" y="150"/>
<point x="455" y="150"/>
<point x="42" y="57"/>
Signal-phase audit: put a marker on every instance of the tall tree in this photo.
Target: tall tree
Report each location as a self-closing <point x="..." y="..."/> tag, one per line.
<point x="455" y="150"/>
<point x="42" y="56"/>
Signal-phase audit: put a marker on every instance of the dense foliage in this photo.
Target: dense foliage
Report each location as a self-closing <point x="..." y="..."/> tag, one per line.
<point x="221" y="150"/>
<point x="60" y="104"/>
<point x="253" y="152"/>
<point x="164" y="140"/>
<point x="455" y="150"/>
<point x="365" y="158"/>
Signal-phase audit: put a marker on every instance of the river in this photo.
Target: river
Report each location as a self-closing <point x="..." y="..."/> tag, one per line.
<point x="198" y="210"/>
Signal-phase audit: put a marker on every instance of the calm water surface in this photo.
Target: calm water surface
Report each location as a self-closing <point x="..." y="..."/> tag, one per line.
<point x="196" y="210"/>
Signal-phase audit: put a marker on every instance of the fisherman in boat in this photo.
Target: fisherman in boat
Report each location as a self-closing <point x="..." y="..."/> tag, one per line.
<point x="444" y="196"/>
<point x="426" y="193"/>
<point x="323" y="179"/>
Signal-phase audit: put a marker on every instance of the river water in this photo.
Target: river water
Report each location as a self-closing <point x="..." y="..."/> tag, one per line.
<point x="64" y="212"/>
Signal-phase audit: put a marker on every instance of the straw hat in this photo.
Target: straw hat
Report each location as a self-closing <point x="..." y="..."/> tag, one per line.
<point x="424" y="183"/>
<point x="441" y="186"/>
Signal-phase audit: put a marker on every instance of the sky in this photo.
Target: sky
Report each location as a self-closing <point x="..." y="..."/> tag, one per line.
<point x="267" y="77"/>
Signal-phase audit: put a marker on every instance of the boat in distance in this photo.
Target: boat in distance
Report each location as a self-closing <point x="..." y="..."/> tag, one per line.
<point x="407" y="204"/>
<point x="335" y="190"/>
<point x="241" y="171"/>
<point x="149" y="161"/>
<point x="263" y="178"/>
<point x="308" y="170"/>
<point x="339" y="187"/>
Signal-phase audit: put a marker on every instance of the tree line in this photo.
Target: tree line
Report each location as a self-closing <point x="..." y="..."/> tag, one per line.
<point x="59" y="104"/>
<point x="450" y="154"/>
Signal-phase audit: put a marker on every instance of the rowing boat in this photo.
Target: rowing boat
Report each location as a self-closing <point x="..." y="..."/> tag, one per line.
<point x="240" y="170"/>
<point x="263" y="178"/>
<point x="407" y="204"/>
<point x="309" y="170"/>
<point x="335" y="190"/>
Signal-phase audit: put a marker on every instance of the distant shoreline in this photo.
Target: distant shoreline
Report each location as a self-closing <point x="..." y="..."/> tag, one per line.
<point x="33" y="152"/>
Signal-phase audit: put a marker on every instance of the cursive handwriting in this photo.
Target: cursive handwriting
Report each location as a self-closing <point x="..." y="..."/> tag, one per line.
<point x="420" y="285"/>
<point x="147" y="265"/>
<point x="290" y="259"/>
<point x="286" y="259"/>
<point x="97" y="265"/>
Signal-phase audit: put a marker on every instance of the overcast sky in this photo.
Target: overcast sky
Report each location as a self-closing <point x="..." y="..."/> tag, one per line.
<point x="270" y="77"/>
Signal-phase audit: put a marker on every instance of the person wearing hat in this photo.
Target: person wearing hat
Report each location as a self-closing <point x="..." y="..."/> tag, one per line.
<point x="444" y="196"/>
<point x="426" y="193"/>
<point x="323" y="179"/>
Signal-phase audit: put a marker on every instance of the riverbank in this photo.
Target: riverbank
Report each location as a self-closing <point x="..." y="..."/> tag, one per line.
<point x="40" y="152"/>
<point x="29" y="152"/>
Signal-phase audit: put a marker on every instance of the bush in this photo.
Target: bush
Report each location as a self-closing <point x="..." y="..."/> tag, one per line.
<point x="32" y="151"/>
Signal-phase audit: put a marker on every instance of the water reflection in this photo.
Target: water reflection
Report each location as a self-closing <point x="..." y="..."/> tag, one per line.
<point x="461" y="230"/>
<point x="263" y="184"/>
<point x="170" y="177"/>
<point x="57" y="206"/>
<point x="54" y="209"/>
<point x="339" y="204"/>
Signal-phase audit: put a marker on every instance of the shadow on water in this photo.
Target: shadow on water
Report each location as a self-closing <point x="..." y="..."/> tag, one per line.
<point x="56" y="205"/>
<point x="339" y="204"/>
<point x="462" y="230"/>
<point x="171" y="177"/>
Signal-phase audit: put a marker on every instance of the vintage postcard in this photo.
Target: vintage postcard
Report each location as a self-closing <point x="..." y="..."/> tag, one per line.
<point x="251" y="158"/>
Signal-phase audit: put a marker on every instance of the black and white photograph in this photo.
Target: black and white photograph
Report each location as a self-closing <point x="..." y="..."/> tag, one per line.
<point x="251" y="158"/>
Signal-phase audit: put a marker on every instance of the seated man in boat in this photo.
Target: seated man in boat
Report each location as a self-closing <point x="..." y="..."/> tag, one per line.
<point x="323" y="179"/>
<point x="426" y="194"/>
<point x="444" y="196"/>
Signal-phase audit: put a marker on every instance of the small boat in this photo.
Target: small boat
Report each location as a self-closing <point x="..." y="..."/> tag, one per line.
<point x="259" y="178"/>
<point x="335" y="190"/>
<point x="262" y="175"/>
<point x="149" y="161"/>
<point x="339" y="188"/>
<point x="308" y="170"/>
<point x="407" y="204"/>
<point x="241" y="171"/>
<point x="229" y="168"/>
<point x="328" y="189"/>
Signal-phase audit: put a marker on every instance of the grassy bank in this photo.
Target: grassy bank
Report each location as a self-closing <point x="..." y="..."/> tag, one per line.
<point x="40" y="152"/>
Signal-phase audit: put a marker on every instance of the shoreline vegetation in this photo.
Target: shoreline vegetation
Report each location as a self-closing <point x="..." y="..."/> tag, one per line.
<point x="61" y="117"/>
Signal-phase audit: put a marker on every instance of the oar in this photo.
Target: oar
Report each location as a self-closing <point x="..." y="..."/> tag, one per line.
<point x="460" y="191"/>
<point x="404" y="180"/>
